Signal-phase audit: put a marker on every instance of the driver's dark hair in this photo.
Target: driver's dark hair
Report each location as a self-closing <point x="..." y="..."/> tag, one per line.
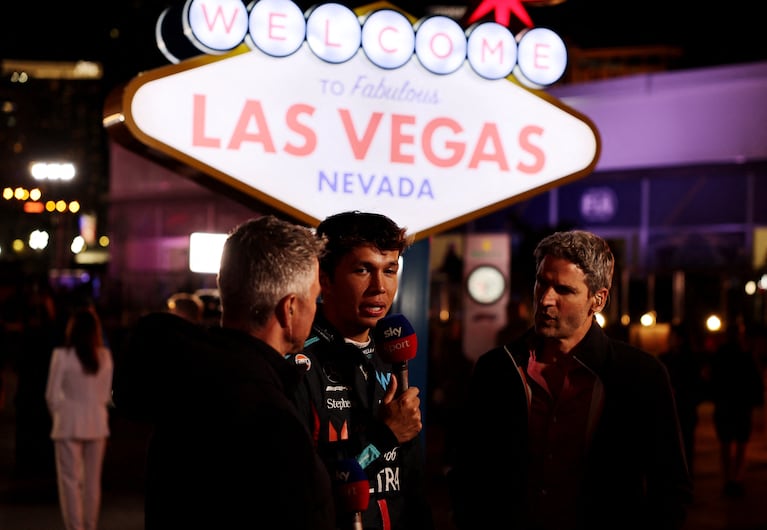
<point x="348" y="230"/>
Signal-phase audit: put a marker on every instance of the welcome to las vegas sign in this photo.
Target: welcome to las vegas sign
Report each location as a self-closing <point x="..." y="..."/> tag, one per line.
<point x="333" y="110"/>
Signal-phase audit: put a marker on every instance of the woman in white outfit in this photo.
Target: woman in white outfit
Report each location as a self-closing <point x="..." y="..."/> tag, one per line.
<point x="78" y="393"/>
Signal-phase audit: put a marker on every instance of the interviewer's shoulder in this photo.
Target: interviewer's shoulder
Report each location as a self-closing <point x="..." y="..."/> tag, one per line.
<point x="164" y="321"/>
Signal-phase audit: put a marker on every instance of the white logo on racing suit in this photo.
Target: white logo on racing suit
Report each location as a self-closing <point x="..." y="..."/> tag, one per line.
<point x="388" y="479"/>
<point x="338" y="404"/>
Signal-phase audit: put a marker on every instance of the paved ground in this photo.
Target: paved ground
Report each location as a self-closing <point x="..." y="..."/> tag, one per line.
<point x="29" y="503"/>
<point x="711" y="511"/>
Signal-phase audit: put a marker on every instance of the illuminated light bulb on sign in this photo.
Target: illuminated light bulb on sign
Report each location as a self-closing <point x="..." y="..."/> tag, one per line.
<point x="542" y="57"/>
<point x="215" y="26"/>
<point x="285" y="27"/>
<point x="492" y="50"/>
<point x="388" y="38"/>
<point x="335" y="34"/>
<point x="440" y="44"/>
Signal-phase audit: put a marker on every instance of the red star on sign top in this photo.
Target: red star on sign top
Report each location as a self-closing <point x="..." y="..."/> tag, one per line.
<point x="503" y="10"/>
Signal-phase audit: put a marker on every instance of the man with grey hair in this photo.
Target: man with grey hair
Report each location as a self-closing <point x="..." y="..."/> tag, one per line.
<point x="567" y="428"/>
<point x="228" y="448"/>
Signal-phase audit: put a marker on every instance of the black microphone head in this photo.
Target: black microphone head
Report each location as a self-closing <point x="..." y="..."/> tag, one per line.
<point x="395" y="339"/>
<point x="351" y="485"/>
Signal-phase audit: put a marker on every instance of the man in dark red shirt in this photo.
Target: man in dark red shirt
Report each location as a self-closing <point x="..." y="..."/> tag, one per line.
<point x="566" y="428"/>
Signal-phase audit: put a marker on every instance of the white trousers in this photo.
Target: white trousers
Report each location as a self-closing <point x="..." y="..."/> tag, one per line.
<point x="78" y="470"/>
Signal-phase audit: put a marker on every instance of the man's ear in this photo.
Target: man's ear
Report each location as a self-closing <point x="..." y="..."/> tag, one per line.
<point x="600" y="300"/>
<point x="285" y="309"/>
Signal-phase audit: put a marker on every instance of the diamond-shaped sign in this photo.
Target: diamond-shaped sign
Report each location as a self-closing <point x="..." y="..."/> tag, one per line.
<point x="312" y="138"/>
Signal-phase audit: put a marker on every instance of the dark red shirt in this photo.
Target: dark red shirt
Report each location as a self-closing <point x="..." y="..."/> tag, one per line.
<point x="560" y="424"/>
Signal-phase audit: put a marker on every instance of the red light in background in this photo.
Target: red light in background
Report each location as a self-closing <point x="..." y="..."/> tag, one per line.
<point x="33" y="207"/>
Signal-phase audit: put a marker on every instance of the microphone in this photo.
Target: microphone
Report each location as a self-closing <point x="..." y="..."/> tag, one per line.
<point x="396" y="343"/>
<point x="352" y="490"/>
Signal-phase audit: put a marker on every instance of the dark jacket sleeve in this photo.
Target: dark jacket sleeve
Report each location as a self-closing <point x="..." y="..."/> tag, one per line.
<point x="669" y="487"/>
<point x="155" y="366"/>
<point x="274" y="471"/>
<point x="485" y="479"/>
<point x="636" y="462"/>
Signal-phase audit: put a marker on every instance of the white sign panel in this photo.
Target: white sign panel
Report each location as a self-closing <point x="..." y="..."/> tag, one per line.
<point x="313" y="138"/>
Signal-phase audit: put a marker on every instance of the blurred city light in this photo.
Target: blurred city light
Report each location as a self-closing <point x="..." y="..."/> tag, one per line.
<point x="713" y="323"/>
<point x="33" y="207"/>
<point x="22" y="70"/>
<point x="78" y="245"/>
<point x="205" y="252"/>
<point x="19" y="77"/>
<point x="601" y="320"/>
<point x="31" y="199"/>
<point x="750" y="287"/>
<point x="52" y="170"/>
<point x="648" y="319"/>
<point x="38" y="239"/>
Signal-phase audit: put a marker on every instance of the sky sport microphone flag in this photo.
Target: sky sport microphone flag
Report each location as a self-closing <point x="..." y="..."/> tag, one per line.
<point x="396" y="343"/>
<point x="352" y="492"/>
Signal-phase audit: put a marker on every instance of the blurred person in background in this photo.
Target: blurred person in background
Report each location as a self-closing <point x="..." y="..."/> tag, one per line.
<point x="40" y="328"/>
<point x="686" y="366"/>
<point x="567" y="428"/>
<point x="186" y="305"/>
<point x="228" y="449"/>
<point x="737" y="387"/>
<point x="348" y="397"/>
<point x="78" y="393"/>
<point x="517" y="321"/>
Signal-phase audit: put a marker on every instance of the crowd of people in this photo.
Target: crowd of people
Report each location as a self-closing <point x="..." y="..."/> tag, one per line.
<point x="257" y="417"/>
